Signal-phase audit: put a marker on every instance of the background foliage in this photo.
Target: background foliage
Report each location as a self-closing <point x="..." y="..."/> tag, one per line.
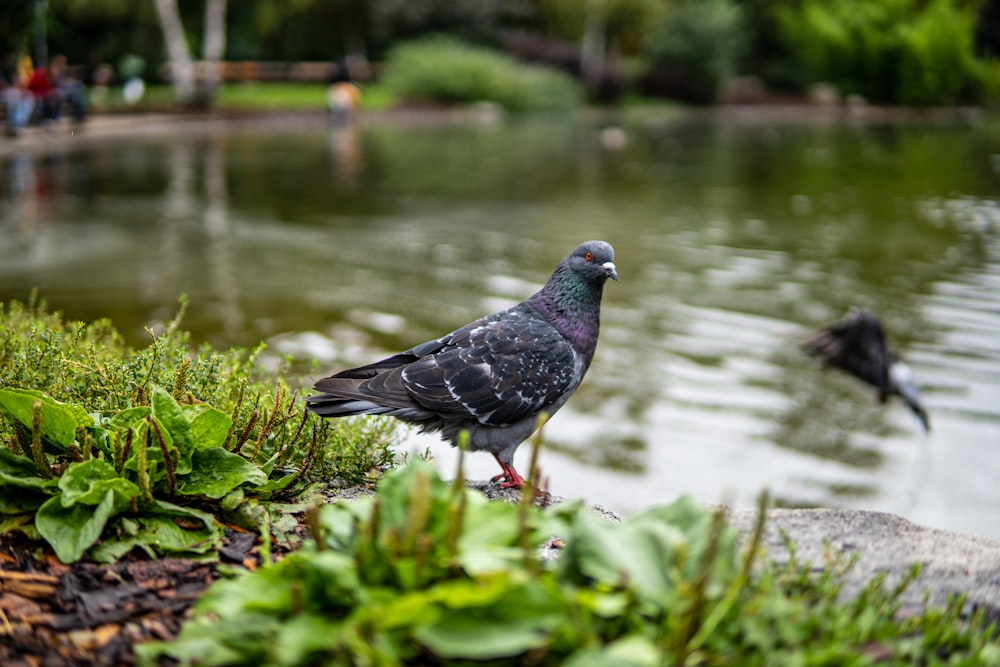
<point x="896" y="51"/>
<point x="441" y="69"/>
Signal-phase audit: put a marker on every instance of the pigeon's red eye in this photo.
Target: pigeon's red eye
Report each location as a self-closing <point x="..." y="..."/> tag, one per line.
<point x="589" y="257"/>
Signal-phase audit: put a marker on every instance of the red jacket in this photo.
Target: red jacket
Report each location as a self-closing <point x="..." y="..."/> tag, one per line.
<point x="39" y="83"/>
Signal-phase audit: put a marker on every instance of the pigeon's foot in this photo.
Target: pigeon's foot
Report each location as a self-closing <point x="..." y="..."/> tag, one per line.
<point x="509" y="478"/>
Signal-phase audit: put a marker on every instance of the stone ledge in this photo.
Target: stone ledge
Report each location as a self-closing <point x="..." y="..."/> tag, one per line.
<point x="951" y="563"/>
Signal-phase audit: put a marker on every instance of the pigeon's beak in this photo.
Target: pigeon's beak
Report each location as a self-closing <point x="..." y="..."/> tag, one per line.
<point x="610" y="269"/>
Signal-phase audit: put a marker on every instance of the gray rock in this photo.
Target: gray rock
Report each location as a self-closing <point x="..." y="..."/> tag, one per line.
<point x="952" y="563"/>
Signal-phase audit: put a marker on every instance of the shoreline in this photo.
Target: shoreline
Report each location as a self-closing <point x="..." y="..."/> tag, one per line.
<point x="103" y="125"/>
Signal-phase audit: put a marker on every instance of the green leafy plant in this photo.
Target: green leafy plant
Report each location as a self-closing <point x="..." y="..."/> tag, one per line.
<point x="443" y="70"/>
<point x="427" y="572"/>
<point x="102" y="458"/>
<point x="135" y="459"/>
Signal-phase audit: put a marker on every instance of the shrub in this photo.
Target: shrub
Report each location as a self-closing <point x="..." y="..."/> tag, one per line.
<point x="938" y="64"/>
<point x="898" y="51"/>
<point x="696" y="48"/>
<point x="442" y="70"/>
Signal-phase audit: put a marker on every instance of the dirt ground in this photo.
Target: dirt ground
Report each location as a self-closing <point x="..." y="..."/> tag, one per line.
<point x="86" y="614"/>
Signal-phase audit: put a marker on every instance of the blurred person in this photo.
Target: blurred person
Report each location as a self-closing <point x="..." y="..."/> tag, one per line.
<point x="53" y="89"/>
<point x="100" y="82"/>
<point x="17" y="99"/>
<point x="343" y="96"/>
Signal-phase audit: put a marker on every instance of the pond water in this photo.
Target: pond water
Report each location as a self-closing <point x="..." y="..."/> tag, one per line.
<point x="735" y="234"/>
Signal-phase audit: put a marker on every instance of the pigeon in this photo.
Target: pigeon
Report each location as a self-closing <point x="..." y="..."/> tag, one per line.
<point x="857" y="344"/>
<point x="494" y="377"/>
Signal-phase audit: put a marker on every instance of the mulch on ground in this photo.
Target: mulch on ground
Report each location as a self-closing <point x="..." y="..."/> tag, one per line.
<point x="84" y="614"/>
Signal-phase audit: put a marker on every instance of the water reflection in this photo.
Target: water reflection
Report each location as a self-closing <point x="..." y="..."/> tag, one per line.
<point x="343" y="244"/>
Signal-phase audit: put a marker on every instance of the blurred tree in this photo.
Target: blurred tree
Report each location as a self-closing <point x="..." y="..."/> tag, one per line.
<point x="181" y="64"/>
<point x="15" y="25"/>
<point x="896" y="51"/>
<point x="92" y="32"/>
<point x="620" y="24"/>
<point x="694" y="49"/>
<point x="605" y="30"/>
<point x="215" y="45"/>
<point x="471" y="20"/>
<point x="298" y="29"/>
<point x="183" y="76"/>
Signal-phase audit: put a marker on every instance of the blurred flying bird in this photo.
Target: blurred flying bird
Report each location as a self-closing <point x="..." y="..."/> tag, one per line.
<point x="494" y="377"/>
<point x="858" y="345"/>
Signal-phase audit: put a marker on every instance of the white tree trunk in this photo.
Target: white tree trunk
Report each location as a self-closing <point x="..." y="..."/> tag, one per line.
<point x="215" y="44"/>
<point x="593" y="47"/>
<point x="182" y="69"/>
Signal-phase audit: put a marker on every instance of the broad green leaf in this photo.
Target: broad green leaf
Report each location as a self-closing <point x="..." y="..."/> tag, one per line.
<point x="59" y="420"/>
<point x="215" y="472"/>
<point x="339" y="526"/>
<point x="630" y="651"/>
<point x="305" y="637"/>
<point x="172" y="417"/>
<point x="88" y="482"/>
<point x="21" y="472"/>
<point x="397" y="487"/>
<point x="489" y="536"/>
<point x="637" y="556"/>
<point x="14" y="522"/>
<point x="273" y="485"/>
<point x="517" y="621"/>
<point x="209" y="427"/>
<point x="129" y="417"/>
<point x="232" y="500"/>
<point x="170" y="528"/>
<point x="71" y="531"/>
<point x="198" y="644"/>
<point x="696" y="523"/>
<point x="18" y="501"/>
<point x="102" y="440"/>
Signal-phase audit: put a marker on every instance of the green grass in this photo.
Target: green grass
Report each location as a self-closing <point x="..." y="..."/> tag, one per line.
<point x="262" y="96"/>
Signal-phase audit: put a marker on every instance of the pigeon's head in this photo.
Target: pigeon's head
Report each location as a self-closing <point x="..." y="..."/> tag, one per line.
<point x="594" y="260"/>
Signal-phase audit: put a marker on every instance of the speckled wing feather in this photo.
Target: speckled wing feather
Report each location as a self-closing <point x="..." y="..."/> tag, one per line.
<point x="498" y="370"/>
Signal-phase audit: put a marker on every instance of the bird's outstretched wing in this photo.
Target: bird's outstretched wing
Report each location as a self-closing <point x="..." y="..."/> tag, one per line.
<point x="855" y="344"/>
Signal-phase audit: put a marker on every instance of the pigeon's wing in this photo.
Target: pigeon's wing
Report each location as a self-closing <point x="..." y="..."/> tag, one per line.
<point x="857" y="345"/>
<point x="390" y="363"/>
<point x="497" y="370"/>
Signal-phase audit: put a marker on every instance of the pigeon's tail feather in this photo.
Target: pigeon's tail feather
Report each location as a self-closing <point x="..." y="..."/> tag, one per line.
<point x="326" y="405"/>
<point x="345" y="397"/>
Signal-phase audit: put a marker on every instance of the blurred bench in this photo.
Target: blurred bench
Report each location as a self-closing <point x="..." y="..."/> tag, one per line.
<point x="257" y="70"/>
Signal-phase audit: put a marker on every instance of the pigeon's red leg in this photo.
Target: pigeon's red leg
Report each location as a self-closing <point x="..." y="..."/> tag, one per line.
<point x="502" y="475"/>
<point x="510" y="477"/>
<point x="513" y="479"/>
